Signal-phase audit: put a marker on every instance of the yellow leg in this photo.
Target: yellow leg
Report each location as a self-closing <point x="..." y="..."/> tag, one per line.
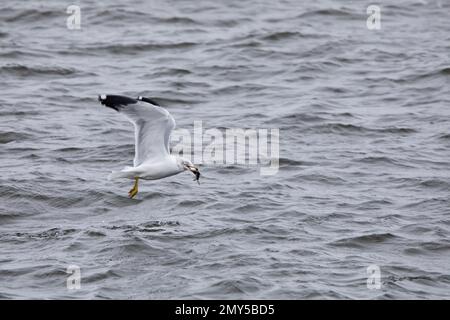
<point x="134" y="191"/>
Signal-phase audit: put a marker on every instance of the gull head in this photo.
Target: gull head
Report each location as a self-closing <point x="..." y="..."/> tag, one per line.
<point x="187" y="165"/>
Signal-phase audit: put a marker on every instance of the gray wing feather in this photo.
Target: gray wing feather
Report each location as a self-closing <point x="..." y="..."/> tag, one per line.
<point x="153" y="126"/>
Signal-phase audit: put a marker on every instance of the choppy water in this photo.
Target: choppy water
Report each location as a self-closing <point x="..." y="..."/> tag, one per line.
<point x="364" y="133"/>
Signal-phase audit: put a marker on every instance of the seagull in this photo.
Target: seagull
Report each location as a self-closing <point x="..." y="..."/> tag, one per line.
<point x="152" y="127"/>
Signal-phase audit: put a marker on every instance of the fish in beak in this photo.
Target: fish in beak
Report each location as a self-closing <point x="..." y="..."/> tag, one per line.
<point x="195" y="171"/>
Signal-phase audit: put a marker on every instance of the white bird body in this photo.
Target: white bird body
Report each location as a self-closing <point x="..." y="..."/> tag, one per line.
<point x="152" y="128"/>
<point x="151" y="170"/>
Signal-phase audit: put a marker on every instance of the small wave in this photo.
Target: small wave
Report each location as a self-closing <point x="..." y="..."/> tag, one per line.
<point x="239" y="89"/>
<point x="374" y="204"/>
<point x="134" y="246"/>
<point x="118" y="15"/>
<point x="32" y="15"/>
<point x="242" y="286"/>
<point x="38" y="194"/>
<point x="21" y="53"/>
<point x="342" y="128"/>
<point x="445" y="71"/>
<point x="436" y="246"/>
<point x="430" y="204"/>
<point x="395" y="130"/>
<point x="159" y="223"/>
<point x="171" y="72"/>
<point x="319" y="178"/>
<point x="298" y="117"/>
<point x="178" y="20"/>
<point x="6" y="137"/>
<point x="281" y="35"/>
<point x="338" y="128"/>
<point x="150" y="226"/>
<point x="18" y="113"/>
<point x="99" y="276"/>
<point x="327" y="12"/>
<point x="445" y="137"/>
<point x="323" y="50"/>
<point x="378" y="160"/>
<point x="25" y="71"/>
<point x="290" y="162"/>
<point x="7" y="216"/>
<point x="423" y="76"/>
<point x="430" y="280"/>
<point x="71" y="149"/>
<point x="363" y="240"/>
<point x="52" y="233"/>
<point x="134" y="48"/>
<point x="95" y="233"/>
<point x="336" y="90"/>
<point x="190" y="203"/>
<point x="248" y="208"/>
<point x="228" y="23"/>
<point x="435" y="183"/>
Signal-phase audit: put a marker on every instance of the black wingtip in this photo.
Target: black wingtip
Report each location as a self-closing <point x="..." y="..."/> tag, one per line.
<point x="115" y="101"/>
<point x="102" y="98"/>
<point x="148" y="100"/>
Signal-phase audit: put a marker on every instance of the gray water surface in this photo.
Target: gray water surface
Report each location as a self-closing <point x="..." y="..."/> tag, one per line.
<point x="364" y="123"/>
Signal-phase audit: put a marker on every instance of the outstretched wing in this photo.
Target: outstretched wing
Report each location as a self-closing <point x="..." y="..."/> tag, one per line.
<point x="152" y="125"/>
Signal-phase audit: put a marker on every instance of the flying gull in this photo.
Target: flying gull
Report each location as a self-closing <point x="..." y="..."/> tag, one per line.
<point x="152" y="128"/>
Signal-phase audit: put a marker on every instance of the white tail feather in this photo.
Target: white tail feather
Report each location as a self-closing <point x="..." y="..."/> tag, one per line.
<point x="125" y="173"/>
